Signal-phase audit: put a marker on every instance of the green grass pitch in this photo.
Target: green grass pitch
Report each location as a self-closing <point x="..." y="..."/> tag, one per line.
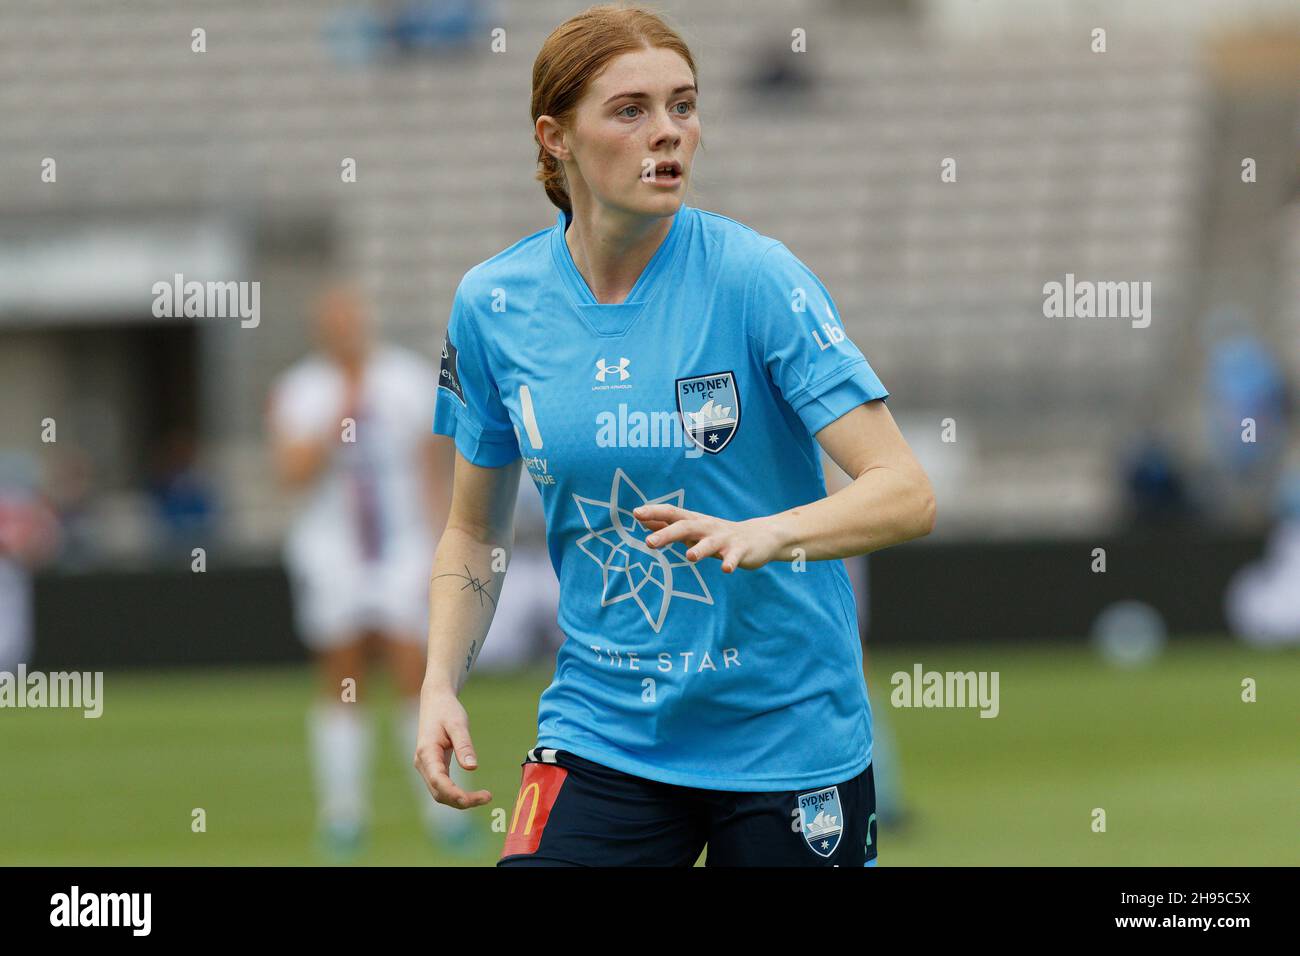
<point x="1187" y="773"/>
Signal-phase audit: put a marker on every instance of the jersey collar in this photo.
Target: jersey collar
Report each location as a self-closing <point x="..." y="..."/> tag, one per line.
<point x="577" y="288"/>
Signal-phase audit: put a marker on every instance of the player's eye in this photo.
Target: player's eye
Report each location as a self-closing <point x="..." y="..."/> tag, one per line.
<point x="623" y="111"/>
<point x="689" y="104"/>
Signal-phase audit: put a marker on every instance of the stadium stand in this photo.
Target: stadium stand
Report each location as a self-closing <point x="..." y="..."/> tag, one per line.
<point x="1068" y="161"/>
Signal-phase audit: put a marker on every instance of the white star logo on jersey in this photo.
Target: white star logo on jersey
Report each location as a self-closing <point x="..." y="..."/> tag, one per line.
<point x="628" y="565"/>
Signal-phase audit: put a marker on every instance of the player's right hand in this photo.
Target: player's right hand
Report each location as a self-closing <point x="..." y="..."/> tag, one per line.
<point x="444" y="727"/>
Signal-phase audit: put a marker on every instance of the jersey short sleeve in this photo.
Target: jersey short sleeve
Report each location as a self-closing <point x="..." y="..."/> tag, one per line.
<point x="795" y="329"/>
<point x="469" y="407"/>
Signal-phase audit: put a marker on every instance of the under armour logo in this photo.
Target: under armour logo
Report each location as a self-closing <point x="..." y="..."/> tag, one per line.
<point x="602" y="369"/>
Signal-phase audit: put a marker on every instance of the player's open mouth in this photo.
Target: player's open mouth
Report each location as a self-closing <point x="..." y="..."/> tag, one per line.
<point x="667" y="174"/>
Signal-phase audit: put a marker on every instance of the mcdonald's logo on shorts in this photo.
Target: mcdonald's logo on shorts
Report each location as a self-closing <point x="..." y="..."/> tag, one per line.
<point x="541" y="785"/>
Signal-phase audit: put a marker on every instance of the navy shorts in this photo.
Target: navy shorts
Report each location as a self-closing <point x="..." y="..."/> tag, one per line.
<point x="573" y="812"/>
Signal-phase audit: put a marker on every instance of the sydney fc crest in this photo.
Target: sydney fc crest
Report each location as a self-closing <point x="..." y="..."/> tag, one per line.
<point x="820" y="819"/>
<point x="710" y="409"/>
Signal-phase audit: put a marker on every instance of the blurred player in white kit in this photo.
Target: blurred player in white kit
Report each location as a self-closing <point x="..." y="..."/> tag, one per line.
<point x="29" y="536"/>
<point x="351" y="427"/>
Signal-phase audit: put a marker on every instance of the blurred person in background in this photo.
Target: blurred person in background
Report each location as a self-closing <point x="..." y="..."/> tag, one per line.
<point x="1244" y="381"/>
<point x="350" y="429"/>
<point x="1154" y="484"/>
<point x="1262" y="602"/>
<point x="361" y="33"/>
<point x="777" y="75"/>
<point x="29" y="537"/>
<point x="72" y="493"/>
<point x="181" y="492"/>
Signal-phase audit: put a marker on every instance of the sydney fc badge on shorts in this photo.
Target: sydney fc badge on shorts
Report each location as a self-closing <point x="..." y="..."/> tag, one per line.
<point x="820" y="819"/>
<point x="710" y="409"/>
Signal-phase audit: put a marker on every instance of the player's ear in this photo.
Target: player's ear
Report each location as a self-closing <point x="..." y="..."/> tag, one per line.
<point x="553" y="137"/>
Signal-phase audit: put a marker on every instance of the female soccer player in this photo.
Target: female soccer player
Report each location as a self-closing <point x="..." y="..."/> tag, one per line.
<point x="662" y="372"/>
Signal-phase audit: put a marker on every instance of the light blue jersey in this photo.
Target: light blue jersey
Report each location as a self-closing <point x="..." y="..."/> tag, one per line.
<point x="703" y="389"/>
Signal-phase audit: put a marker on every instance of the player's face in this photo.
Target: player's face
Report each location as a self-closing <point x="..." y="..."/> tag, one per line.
<point x="618" y="140"/>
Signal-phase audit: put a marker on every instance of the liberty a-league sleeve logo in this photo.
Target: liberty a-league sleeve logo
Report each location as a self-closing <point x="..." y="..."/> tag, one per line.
<point x="710" y="409"/>
<point x="820" y="819"/>
<point x="448" y="376"/>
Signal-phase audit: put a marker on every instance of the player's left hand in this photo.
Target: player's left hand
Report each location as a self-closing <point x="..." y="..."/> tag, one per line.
<point x="737" y="544"/>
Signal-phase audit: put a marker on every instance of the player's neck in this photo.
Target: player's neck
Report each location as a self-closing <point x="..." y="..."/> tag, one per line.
<point x="611" y="249"/>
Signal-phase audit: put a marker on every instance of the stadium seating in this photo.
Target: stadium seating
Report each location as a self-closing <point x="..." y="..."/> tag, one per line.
<point x="1067" y="161"/>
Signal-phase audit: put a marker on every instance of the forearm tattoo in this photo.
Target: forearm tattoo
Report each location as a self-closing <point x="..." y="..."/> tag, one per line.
<point x="478" y="585"/>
